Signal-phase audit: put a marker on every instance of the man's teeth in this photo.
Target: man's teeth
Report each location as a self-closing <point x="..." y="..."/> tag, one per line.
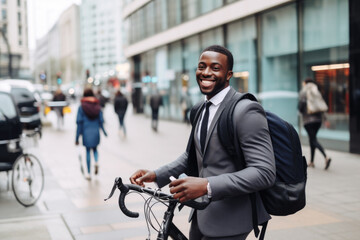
<point x="207" y="82"/>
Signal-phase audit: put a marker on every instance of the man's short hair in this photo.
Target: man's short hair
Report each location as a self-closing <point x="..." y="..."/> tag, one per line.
<point x="223" y="50"/>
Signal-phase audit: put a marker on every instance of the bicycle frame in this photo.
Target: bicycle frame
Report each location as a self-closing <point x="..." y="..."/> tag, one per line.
<point x="169" y="227"/>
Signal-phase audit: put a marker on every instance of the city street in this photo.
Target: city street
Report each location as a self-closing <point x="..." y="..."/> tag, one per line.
<point x="74" y="208"/>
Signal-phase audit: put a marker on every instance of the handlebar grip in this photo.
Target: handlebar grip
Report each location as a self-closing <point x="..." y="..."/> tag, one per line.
<point x="123" y="208"/>
<point x="198" y="205"/>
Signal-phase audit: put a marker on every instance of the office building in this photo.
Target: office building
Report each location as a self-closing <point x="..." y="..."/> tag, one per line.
<point x="101" y="39"/>
<point x="276" y="44"/>
<point x="14" y="60"/>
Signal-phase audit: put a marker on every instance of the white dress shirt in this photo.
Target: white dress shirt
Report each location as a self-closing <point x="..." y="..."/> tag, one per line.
<point x="215" y="100"/>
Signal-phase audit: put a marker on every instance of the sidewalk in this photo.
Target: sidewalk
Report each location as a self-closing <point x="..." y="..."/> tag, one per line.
<point x="73" y="208"/>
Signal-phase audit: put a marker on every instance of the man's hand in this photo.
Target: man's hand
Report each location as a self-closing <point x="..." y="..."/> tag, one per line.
<point x="188" y="188"/>
<point x="141" y="176"/>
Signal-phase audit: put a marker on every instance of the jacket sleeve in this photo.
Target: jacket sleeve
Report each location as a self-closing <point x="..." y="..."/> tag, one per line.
<point x="252" y="135"/>
<point x="174" y="168"/>
<point x="79" y="123"/>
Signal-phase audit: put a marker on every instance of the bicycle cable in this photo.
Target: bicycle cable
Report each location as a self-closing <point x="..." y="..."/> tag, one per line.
<point x="148" y="212"/>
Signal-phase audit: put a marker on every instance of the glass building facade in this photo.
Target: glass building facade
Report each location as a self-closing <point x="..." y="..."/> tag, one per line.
<point x="274" y="50"/>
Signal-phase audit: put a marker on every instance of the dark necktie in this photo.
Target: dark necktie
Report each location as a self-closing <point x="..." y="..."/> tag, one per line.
<point x="204" y="124"/>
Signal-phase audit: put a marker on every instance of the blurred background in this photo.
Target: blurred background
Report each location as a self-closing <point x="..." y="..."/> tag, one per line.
<point x="140" y="46"/>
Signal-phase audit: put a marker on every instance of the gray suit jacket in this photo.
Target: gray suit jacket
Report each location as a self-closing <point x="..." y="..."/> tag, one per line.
<point x="229" y="213"/>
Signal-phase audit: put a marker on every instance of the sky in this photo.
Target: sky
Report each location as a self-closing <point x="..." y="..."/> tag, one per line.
<point x="42" y="15"/>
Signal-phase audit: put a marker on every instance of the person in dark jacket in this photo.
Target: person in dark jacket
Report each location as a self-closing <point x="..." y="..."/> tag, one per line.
<point x="155" y="103"/>
<point x="120" y="106"/>
<point x="89" y="120"/>
<point x="59" y="96"/>
<point x="102" y="99"/>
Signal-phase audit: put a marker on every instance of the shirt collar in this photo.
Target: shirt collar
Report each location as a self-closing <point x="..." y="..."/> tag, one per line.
<point x="219" y="97"/>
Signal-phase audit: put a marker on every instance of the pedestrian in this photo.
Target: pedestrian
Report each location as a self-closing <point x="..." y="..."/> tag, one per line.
<point x="312" y="108"/>
<point x="120" y="106"/>
<point x="212" y="171"/>
<point x="155" y="103"/>
<point x="186" y="106"/>
<point x="102" y="98"/>
<point x="89" y="121"/>
<point x="60" y="99"/>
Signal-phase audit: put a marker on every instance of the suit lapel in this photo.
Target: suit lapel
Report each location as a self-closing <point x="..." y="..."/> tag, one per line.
<point x="221" y="108"/>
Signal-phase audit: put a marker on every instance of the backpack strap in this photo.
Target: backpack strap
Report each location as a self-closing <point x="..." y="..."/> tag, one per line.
<point x="226" y="129"/>
<point x="227" y="139"/>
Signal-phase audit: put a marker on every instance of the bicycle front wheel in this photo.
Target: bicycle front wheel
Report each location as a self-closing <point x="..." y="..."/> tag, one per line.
<point x="27" y="179"/>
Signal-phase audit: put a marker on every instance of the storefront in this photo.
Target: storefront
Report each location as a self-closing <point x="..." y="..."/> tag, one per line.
<point x="274" y="51"/>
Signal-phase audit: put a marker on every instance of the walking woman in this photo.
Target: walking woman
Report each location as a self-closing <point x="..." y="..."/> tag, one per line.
<point x="120" y="106"/>
<point x="312" y="107"/>
<point x="89" y="121"/>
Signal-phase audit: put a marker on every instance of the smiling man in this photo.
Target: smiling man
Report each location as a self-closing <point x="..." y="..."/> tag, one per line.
<point x="212" y="171"/>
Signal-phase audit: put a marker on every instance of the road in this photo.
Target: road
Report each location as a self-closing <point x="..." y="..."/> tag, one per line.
<point x="74" y="208"/>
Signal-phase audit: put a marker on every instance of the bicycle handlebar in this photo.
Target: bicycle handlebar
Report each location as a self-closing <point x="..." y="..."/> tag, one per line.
<point x="125" y="188"/>
<point x="34" y="132"/>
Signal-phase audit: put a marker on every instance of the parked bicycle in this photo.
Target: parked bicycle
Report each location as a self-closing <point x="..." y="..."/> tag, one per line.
<point x="166" y="228"/>
<point x="27" y="180"/>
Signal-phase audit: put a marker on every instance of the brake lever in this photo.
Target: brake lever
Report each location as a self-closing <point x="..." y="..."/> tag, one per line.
<point x="113" y="189"/>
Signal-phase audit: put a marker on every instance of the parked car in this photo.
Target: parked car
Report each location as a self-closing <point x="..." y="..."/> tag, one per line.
<point x="10" y="129"/>
<point x="28" y="101"/>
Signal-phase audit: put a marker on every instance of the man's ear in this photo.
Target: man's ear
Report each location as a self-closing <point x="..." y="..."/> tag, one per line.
<point x="229" y="75"/>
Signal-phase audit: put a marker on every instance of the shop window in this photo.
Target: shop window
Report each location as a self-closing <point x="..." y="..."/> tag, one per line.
<point x="333" y="81"/>
<point x="279" y="45"/>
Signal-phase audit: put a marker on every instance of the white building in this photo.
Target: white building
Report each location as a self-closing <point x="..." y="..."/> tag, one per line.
<point x="101" y="38"/>
<point x="14" y="25"/>
<point x="58" y="53"/>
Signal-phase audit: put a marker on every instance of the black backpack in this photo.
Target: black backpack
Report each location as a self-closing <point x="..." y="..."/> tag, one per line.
<point x="287" y="195"/>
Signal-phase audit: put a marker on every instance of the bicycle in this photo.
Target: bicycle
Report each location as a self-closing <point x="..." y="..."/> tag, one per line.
<point x="166" y="228"/>
<point x="27" y="179"/>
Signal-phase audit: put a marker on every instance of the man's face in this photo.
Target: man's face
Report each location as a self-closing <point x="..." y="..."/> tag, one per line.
<point x="212" y="73"/>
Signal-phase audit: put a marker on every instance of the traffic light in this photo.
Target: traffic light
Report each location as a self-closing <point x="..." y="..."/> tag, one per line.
<point x="59" y="80"/>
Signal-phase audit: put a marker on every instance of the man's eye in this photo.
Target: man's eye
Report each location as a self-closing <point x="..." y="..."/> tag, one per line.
<point x="201" y="67"/>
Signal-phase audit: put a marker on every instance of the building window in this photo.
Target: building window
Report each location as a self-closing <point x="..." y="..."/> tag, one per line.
<point x="160" y="15"/>
<point x="174" y="10"/>
<point x="213" y="36"/>
<point x="19" y="3"/>
<point x="4" y="28"/>
<point x="326" y="56"/>
<point x="149" y="19"/>
<point x="209" y="5"/>
<point x="20" y="30"/>
<point x="279" y="40"/>
<point x="3" y="14"/>
<point x="191" y="54"/>
<point x="241" y="41"/>
<point x="19" y="17"/>
<point x="3" y="1"/>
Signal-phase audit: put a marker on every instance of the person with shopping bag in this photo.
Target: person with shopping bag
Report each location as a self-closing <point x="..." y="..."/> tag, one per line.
<point x="312" y="107"/>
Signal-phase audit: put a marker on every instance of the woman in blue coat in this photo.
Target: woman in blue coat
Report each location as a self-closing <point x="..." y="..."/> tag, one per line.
<point x="89" y="120"/>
